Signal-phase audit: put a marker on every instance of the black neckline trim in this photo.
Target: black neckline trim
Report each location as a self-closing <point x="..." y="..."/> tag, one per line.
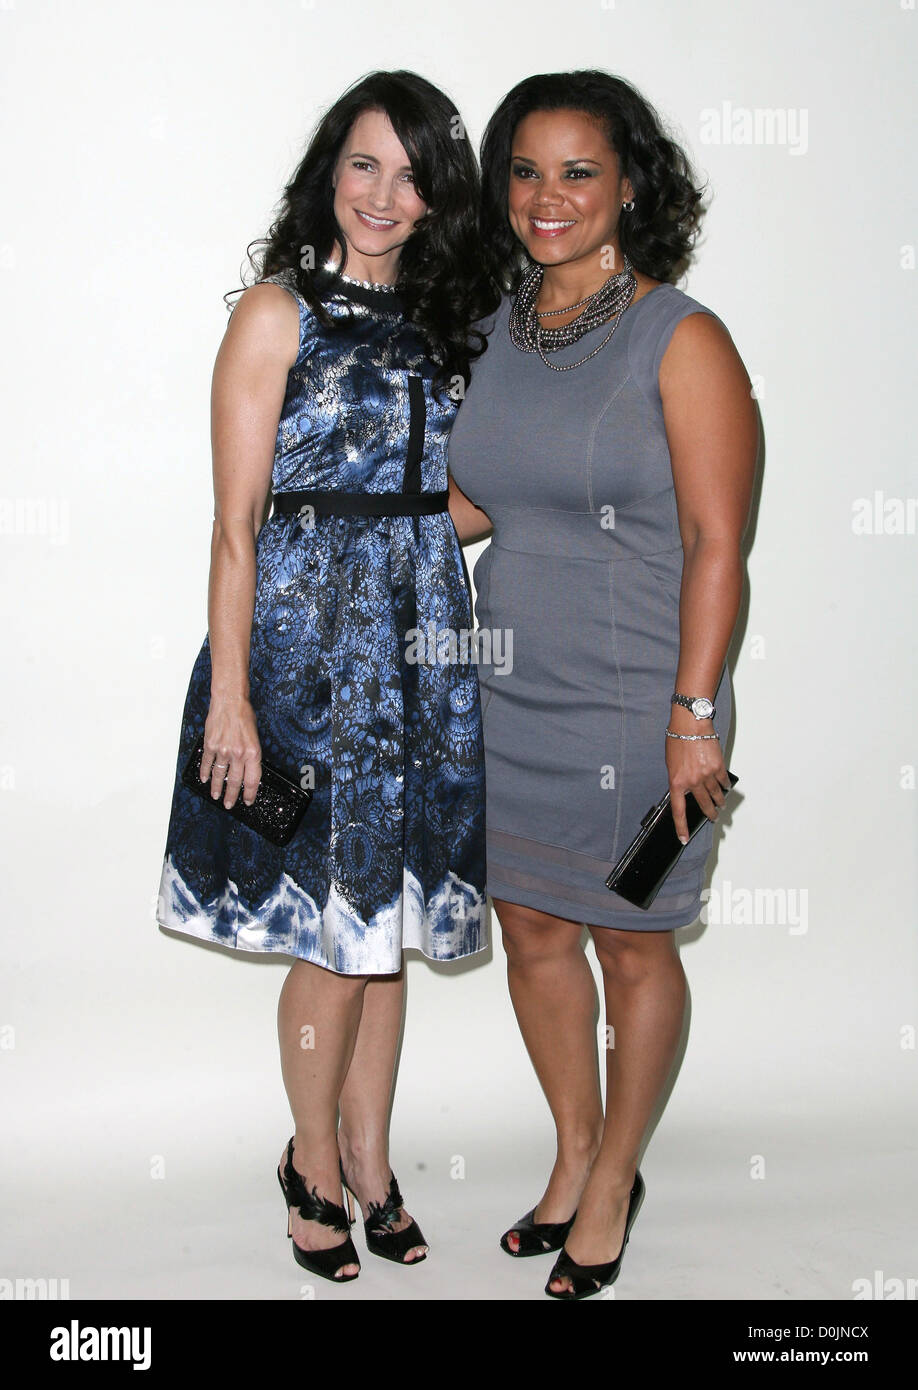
<point x="328" y="280"/>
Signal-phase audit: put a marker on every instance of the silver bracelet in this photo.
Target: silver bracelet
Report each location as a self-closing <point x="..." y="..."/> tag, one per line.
<point x="690" y="738"/>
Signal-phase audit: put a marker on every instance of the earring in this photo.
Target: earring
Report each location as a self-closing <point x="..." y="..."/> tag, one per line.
<point x="628" y="207"/>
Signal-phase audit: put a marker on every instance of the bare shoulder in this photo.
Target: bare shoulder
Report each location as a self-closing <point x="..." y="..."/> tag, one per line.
<point x="700" y="343"/>
<point x="266" y="321"/>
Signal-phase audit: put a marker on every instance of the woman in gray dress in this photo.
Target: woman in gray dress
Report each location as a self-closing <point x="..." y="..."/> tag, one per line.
<point x="607" y="444"/>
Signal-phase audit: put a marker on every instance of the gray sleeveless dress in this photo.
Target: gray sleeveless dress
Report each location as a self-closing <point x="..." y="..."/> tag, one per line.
<point x="578" y="595"/>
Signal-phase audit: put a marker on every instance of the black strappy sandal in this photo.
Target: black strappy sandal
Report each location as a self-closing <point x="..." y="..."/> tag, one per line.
<point x="312" y="1207"/>
<point x="587" y="1280"/>
<point x="536" y="1237"/>
<point x="381" y="1238"/>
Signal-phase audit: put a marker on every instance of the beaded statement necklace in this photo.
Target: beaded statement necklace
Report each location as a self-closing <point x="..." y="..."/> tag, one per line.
<point x="612" y="298"/>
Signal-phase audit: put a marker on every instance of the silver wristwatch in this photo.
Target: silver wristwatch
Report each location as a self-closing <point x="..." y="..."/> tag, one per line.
<point x="701" y="707"/>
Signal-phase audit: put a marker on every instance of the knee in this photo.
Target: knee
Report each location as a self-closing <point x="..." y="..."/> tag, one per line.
<point x="630" y="958"/>
<point x="533" y="938"/>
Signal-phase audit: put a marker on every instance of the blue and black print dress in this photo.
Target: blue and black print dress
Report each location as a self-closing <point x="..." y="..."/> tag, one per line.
<point x="390" y="853"/>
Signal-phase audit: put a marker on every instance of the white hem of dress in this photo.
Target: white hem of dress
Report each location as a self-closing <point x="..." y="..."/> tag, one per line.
<point x="334" y="938"/>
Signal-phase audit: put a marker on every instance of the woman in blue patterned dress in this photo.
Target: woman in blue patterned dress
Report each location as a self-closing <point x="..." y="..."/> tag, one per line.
<point x="335" y="388"/>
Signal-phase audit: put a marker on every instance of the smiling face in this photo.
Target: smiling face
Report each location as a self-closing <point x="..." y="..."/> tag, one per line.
<point x="376" y="205"/>
<point x="566" y="191"/>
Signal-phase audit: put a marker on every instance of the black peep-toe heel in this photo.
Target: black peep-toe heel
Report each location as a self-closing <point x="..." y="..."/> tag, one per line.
<point x="536" y="1237"/>
<point x="382" y="1240"/>
<point x="587" y="1280"/>
<point x="312" y="1207"/>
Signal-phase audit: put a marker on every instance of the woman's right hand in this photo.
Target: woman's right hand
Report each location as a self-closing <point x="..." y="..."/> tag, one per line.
<point x="250" y="378"/>
<point x="232" y="750"/>
<point x="471" y="523"/>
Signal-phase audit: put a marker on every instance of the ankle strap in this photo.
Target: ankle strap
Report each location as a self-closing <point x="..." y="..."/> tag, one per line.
<point x="310" y="1205"/>
<point x="382" y="1216"/>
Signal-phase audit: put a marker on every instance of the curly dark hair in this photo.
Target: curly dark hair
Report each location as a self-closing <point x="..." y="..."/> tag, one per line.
<point x="658" y="235"/>
<point x="443" y="274"/>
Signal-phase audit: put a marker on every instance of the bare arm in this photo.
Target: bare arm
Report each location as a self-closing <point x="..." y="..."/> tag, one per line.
<point x="471" y="523"/>
<point x="712" y="429"/>
<point x="249" y="382"/>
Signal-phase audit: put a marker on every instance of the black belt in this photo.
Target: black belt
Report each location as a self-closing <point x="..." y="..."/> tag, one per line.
<point x="362" y="503"/>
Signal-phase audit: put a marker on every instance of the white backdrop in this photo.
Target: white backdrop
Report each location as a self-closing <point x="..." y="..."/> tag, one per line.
<point x="144" y="146"/>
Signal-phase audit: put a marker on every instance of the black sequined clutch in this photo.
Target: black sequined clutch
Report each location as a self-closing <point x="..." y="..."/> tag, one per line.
<point x="279" y="804"/>
<point x="654" y="852"/>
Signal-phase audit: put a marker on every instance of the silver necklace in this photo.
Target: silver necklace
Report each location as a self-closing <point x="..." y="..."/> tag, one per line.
<point x="612" y="298"/>
<point x="362" y="284"/>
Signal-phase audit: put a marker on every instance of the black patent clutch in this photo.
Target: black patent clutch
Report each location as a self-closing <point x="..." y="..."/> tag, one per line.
<point x="654" y="852"/>
<point x="279" y="804"/>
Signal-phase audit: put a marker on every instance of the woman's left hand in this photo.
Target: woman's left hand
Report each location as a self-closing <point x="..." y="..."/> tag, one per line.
<point x="699" y="768"/>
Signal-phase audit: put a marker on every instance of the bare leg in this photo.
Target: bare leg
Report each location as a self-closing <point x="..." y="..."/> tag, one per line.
<point x="314" y="1064"/>
<point x="366" y="1098"/>
<point x="554" y="998"/>
<point x="645" y="1003"/>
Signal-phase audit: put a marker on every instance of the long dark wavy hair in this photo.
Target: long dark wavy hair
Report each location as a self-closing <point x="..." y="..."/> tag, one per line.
<point x="443" y="274"/>
<point x="658" y="234"/>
